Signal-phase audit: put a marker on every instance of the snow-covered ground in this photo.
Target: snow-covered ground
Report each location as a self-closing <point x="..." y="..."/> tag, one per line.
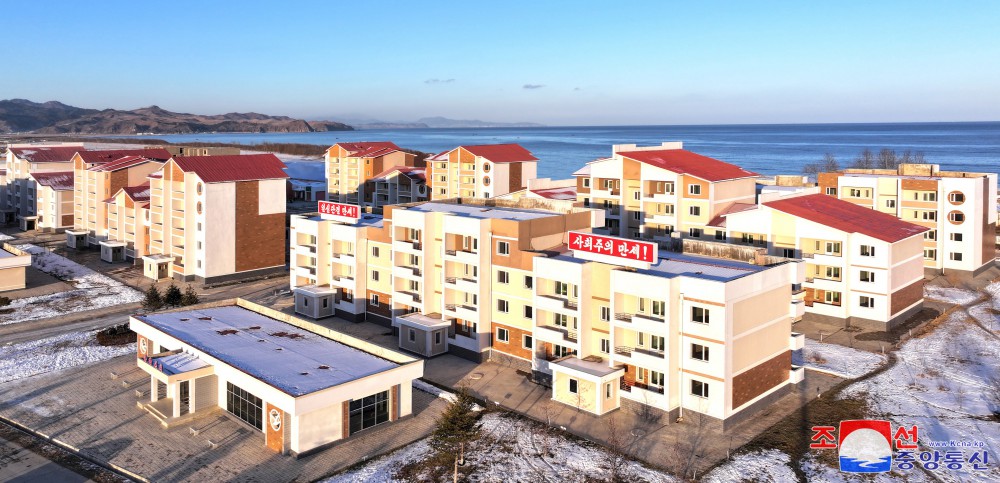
<point x="512" y="449"/>
<point x="27" y="359"/>
<point x="951" y="295"/>
<point x="4" y="238"/>
<point x="91" y="290"/>
<point x="760" y="466"/>
<point x="305" y="168"/>
<point x="837" y="359"/>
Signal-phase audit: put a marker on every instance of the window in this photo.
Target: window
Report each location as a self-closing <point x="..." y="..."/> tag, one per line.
<point x="437" y="337"/>
<point x="890" y="203"/>
<point x="503" y="306"/>
<point x="956" y="217"/>
<point x="955" y="256"/>
<point x="867" y="276"/>
<point x="374" y="300"/>
<point x="657" y="343"/>
<point x="199" y="223"/>
<point x="413" y="335"/>
<point x="375" y="275"/>
<point x="198" y="207"/>
<point x="659" y="308"/>
<point x="586" y="182"/>
<point x="833" y="273"/>
<point x="326" y="303"/>
<point x="925" y="215"/>
<point x="930" y="235"/>
<point x="562" y="320"/>
<point x="573" y="387"/>
<point x="606" y="346"/>
<point x="694" y="189"/>
<point x="503" y="248"/>
<point x="199" y="263"/>
<point x="655" y="378"/>
<point x="375" y="252"/>
<point x="368" y="412"/>
<point x="562" y="288"/>
<point x="528" y="312"/>
<point x="699" y="388"/>
<point x="720" y="235"/>
<point x="831" y="247"/>
<point x="925" y="196"/>
<point x="527" y="342"/>
<point x="503" y="276"/>
<point x="586" y="202"/>
<point x="636" y="195"/>
<point x="699" y="314"/>
<point x="606" y="314"/>
<point x="699" y="352"/>
<point x="244" y="405"/>
<point x="867" y="301"/>
<point x="503" y="335"/>
<point x="695" y="210"/>
<point x="305" y="302"/>
<point x="956" y="197"/>
<point x="831" y="191"/>
<point x="486" y="167"/>
<point x="528" y="281"/>
<point x="788" y="252"/>
<point x="607" y="391"/>
<point x="867" y="251"/>
<point x="832" y="298"/>
<point x="199" y="188"/>
<point x="956" y="237"/>
<point x="637" y="215"/>
<point x="930" y="254"/>
<point x="694" y="232"/>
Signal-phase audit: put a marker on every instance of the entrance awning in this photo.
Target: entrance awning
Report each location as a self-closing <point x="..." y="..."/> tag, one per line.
<point x="174" y="366"/>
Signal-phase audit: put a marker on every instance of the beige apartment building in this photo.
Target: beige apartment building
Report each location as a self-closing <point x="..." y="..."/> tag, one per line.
<point x="481" y="171"/>
<point x="557" y="192"/>
<point x="862" y="267"/>
<point x="654" y="192"/>
<point x="350" y="168"/>
<point x="19" y="190"/>
<point x="958" y="209"/>
<point x="500" y="278"/>
<point x="52" y="195"/>
<point x="399" y="185"/>
<point x="97" y="176"/>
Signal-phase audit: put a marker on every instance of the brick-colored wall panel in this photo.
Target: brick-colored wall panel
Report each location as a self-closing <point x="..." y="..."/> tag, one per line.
<point x="906" y="296"/>
<point x="260" y="239"/>
<point x="516" y="183"/>
<point x="515" y="346"/>
<point x="275" y="437"/>
<point x="384" y="304"/>
<point x="761" y="378"/>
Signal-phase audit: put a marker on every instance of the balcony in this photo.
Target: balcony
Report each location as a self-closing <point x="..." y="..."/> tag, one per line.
<point x="407" y="297"/>
<point x="308" y="272"/>
<point x="346" y="258"/>
<point x="796" y="374"/>
<point x="343" y="281"/>
<point x="409" y="273"/>
<point x="639" y="386"/>
<point x="556" y="334"/>
<point x="465" y="312"/>
<point x="406" y="246"/>
<point x="661" y="218"/>
<point x="555" y="303"/>
<point x="797" y="341"/>
<point x="306" y="249"/>
<point x="464" y="256"/>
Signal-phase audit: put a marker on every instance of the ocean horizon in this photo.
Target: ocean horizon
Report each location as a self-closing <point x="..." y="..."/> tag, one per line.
<point x="768" y="149"/>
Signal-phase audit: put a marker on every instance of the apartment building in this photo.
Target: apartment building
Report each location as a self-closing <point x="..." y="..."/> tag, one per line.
<point x="127" y="224"/>
<point x="600" y="320"/>
<point x="97" y="176"/>
<point x="350" y="168"/>
<point x="19" y="200"/>
<point x="482" y="171"/>
<point x="555" y="191"/>
<point x="399" y="185"/>
<point x="862" y="267"/>
<point x="654" y="192"/>
<point x="958" y="208"/>
<point x="53" y="198"/>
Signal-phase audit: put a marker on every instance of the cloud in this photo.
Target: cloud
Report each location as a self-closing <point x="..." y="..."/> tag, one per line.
<point x="533" y="86"/>
<point x="576" y="89"/>
<point x="439" y="81"/>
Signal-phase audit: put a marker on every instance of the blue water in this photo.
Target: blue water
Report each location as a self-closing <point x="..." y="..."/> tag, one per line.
<point x="851" y="465"/>
<point x="766" y="149"/>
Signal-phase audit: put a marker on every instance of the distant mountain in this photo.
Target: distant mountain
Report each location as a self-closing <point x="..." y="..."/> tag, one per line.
<point x="19" y="115"/>
<point x="363" y="122"/>
<point x="458" y="123"/>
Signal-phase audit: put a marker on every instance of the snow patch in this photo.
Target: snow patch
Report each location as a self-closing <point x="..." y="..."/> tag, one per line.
<point x="759" y="466"/>
<point x="836" y="359"/>
<point x="18" y="361"/>
<point x="950" y="295"/>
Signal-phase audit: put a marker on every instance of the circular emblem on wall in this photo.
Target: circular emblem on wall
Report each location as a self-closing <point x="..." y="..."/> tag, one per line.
<point x="275" y="419"/>
<point x="143" y="346"/>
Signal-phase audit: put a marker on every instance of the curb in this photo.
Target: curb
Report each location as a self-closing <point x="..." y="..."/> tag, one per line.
<point x="118" y="470"/>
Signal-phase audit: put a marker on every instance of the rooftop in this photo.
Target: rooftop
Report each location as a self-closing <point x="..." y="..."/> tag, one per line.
<point x="109" y="155"/>
<point x="238" y="167"/>
<point x="293" y="360"/>
<point x="846" y="216"/>
<point x="482" y="211"/>
<point x="369" y="149"/>
<point x="720" y="219"/>
<point x="122" y="163"/>
<point x="501" y="153"/>
<point x="138" y="193"/>
<point x="410" y="171"/>
<point x="57" y="180"/>
<point x="57" y="154"/>
<point x="681" y="161"/>
<point x="556" y="193"/>
<point x="594" y="368"/>
<point x="673" y="264"/>
<point x="429" y="321"/>
<point x="366" y="219"/>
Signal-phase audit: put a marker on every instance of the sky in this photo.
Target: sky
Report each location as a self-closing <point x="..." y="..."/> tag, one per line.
<point x="557" y="63"/>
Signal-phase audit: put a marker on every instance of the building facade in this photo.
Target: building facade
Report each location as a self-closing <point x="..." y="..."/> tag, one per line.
<point x="13" y="263"/>
<point x="350" y="168"/>
<point x="958" y="208"/>
<point x="19" y="203"/>
<point x="659" y="193"/>
<point x="481" y="171"/>
<point x="399" y="185"/>
<point x="53" y="197"/>
<point x="302" y="385"/>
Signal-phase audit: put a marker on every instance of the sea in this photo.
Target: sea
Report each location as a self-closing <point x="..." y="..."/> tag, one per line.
<point x="766" y="149"/>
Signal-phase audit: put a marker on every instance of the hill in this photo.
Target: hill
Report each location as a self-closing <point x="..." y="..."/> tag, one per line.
<point x="19" y="115"/>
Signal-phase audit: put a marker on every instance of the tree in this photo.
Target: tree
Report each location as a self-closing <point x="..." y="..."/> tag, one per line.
<point x="865" y="160"/>
<point x="153" y="300"/>
<point x="190" y="297"/>
<point x="172" y="296"/>
<point x="616" y="457"/>
<point x="887" y="159"/>
<point x="457" y="426"/>
<point x="828" y="164"/>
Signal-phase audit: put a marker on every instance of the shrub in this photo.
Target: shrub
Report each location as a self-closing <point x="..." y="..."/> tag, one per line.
<point x="116" y="335"/>
<point x="4" y="301"/>
<point x="190" y="297"/>
<point x="153" y="300"/>
<point x="172" y="297"/>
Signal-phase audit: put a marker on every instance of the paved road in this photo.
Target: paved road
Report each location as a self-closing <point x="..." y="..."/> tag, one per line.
<point x="18" y="464"/>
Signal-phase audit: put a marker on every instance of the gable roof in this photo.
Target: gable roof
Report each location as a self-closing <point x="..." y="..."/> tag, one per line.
<point x="237" y="167"/>
<point x="109" y="155"/>
<point x="121" y="163"/>
<point x="846" y="216"/>
<point x="719" y="220"/>
<point x="369" y="149"/>
<point x="501" y="153"/>
<point x="54" y="154"/>
<point x="57" y="180"/>
<point x="682" y="161"/>
<point x="137" y="193"/>
<point x="412" y="172"/>
<point x="565" y="193"/>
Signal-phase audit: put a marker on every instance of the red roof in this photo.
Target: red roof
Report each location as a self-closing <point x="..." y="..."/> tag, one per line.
<point x="138" y="193"/>
<point x="501" y="153"/>
<point x="567" y="193"/>
<point x="685" y="162"/>
<point x="846" y="216"/>
<point x="58" y="154"/>
<point x="410" y="171"/>
<point x="122" y="163"/>
<point x="59" y="180"/>
<point x="369" y="149"/>
<point x="241" y="167"/>
<point x="109" y="155"/>
<point x="720" y="219"/>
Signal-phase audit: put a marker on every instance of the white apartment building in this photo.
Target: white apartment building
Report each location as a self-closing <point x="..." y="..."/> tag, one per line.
<point x="480" y="171"/>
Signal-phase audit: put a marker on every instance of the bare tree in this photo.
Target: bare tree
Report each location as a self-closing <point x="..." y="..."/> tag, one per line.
<point x="887" y="159"/>
<point x="828" y="164"/>
<point x="616" y="458"/>
<point x="865" y="160"/>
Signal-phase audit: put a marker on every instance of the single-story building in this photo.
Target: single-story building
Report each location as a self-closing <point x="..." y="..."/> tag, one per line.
<point x="300" y="384"/>
<point x="13" y="263"/>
